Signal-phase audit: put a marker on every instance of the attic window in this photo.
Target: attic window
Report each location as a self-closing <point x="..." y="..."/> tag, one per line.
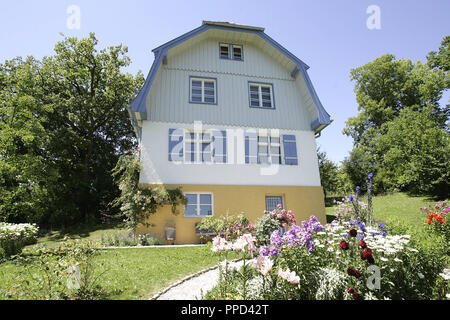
<point x="231" y="51"/>
<point x="224" y="51"/>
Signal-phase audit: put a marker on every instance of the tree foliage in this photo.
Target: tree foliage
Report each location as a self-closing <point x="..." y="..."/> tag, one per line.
<point x="63" y="126"/>
<point x="401" y="131"/>
<point x="137" y="203"/>
<point x="328" y="173"/>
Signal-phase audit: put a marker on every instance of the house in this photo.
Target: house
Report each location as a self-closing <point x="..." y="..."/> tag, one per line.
<point x="231" y="116"/>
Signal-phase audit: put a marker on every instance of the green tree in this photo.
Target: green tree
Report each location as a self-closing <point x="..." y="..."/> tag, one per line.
<point x="28" y="177"/>
<point x="137" y="203"/>
<point x="77" y="98"/>
<point x="328" y="173"/>
<point x="416" y="154"/>
<point x="385" y="88"/>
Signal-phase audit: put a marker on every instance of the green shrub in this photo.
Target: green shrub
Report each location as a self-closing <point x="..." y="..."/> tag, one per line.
<point x="66" y="272"/>
<point x="148" y="240"/>
<point x="13" y="237"/>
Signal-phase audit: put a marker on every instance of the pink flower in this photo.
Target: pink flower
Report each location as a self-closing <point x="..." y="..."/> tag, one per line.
<point x="289" y="276"/>
<point x="220" y="244"/>
<point x="264" y="264"/>
<point x="245" y="241"/>
<point x="279" y="216"/>
<point x="279" y="206"/>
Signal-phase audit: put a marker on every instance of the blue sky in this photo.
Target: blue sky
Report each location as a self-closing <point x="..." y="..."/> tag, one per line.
<point x="330" y="36"/>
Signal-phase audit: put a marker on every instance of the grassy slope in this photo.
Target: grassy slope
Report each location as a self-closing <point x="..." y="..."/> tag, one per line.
<point x="398" y="207"/>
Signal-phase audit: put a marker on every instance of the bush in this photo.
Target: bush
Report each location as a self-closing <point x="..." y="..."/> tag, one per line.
<point x="66" y="272"/>
<point x="148" y="240"/>
<point x="276" y="219"/>
<point x="13" y="237"/>
<point x="118" y="239"/>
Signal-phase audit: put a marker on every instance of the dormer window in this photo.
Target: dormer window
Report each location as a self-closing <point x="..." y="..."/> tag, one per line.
<point x="231" y="51"/>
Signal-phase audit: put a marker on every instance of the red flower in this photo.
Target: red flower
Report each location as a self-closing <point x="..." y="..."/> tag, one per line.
<point x="367" y="252"/>
<point x="353" y="233"/>
<point x="344" y="245"/>
<point x="353" y="272"/>
<point x="362" y="244"/>
<point x="350" y="290"/>
<point x="356" y="296"/>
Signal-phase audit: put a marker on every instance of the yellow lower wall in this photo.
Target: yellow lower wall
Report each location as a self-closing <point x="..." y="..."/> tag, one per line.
<point x="249" y="200"/>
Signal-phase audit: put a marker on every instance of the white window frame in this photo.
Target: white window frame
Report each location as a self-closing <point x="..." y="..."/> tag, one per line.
<point x="198" y="140"/>
<point x="260" y="99"/>
<point x="270" y="144"/>
<point x="202" y="80"/>
<point x="198" y="204"/>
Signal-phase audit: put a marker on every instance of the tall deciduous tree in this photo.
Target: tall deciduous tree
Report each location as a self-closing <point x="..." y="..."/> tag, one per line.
<point x="391" y="95"/>
<point x="82" y="93"/>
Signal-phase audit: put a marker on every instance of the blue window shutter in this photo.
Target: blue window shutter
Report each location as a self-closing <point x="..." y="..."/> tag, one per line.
<point x="251" y="147"/>
<point x="290" y="149"/>
<point x="219" y="146"/>
<point x="176" y="144"/>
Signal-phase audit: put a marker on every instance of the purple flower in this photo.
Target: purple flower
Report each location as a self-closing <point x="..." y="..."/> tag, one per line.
<point x="361" y="226"/>
<point x="350" y="198"/>
<point x="358" y="188"/>
<point x="275" y="238"/>
<point x="263" y="251"/>
<point x="274" y="252"/>
<point x="370" y="176"/>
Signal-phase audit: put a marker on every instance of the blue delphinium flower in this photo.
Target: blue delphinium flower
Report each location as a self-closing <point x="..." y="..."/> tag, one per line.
<point x="350" y="198"/>
<point x="384" y="233"/>
<point x="381" y="226"/>
<point x="362" y="226"/>
<point x="370" y="176"/>
<point x="351" y="223"/>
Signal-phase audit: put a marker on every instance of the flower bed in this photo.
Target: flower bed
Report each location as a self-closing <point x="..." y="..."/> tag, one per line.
<point x="13" y="237"/>
<point x="353" y="258"/>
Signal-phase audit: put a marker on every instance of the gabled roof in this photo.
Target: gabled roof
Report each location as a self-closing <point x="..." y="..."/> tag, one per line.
<point x="137" y="107"/>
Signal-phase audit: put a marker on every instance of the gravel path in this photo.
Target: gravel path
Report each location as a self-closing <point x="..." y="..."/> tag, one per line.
<point x="194" y="287"/>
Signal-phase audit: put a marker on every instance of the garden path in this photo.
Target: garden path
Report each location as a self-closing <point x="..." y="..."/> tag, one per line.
<point x="195" y="286"/>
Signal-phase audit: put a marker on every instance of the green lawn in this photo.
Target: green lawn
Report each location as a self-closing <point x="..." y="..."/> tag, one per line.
<point x="128" y="273"/>
<point x="138" y="273"/>
<point x="134" y="273"/>
<point x="397" y="207"/>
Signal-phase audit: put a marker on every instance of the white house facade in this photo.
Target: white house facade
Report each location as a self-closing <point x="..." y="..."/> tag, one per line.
<point x="231" y="117"/>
